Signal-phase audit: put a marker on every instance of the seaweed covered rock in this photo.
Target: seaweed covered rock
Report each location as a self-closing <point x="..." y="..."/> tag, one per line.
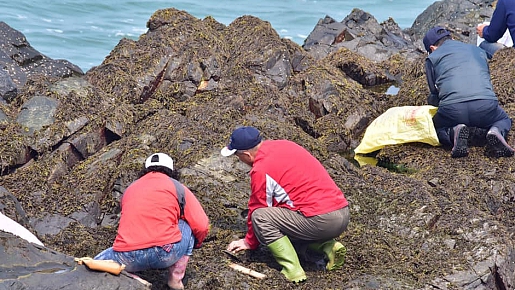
<point x="420" y="220"/>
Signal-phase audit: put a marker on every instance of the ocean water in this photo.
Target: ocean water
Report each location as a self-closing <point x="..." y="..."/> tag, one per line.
<point x="85" y="31"/>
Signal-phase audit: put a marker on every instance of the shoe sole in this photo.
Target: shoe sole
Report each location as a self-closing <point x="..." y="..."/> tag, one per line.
<point x="298" y="279"/>
<point x="498" y="146"/>
<point x="338" y="257"/>
<point x="460" y="148"/>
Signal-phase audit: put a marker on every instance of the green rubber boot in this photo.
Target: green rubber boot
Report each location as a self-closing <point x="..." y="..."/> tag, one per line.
<point x="334" y="251"/>
<point x="285" y="255"/>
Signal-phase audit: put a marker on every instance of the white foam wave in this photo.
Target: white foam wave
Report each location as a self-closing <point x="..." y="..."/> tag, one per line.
<point x="54" y="30"/>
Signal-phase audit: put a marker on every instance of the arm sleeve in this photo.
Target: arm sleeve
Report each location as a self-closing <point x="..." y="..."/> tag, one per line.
<point x="257" y="200"/>
<point x="196" y="217"/>
<point x="432" y="99"/>
<point x="498" y="25"/>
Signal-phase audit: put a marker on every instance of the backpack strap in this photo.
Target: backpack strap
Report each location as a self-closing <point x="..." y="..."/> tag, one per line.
<point x="179" y="189"/>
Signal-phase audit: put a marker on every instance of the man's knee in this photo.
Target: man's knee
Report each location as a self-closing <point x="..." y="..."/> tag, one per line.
<point x="259" y="217"/>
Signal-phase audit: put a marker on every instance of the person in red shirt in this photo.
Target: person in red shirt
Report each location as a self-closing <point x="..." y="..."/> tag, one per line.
<point x="292" y="198"/>
<point x="152" y="233"/>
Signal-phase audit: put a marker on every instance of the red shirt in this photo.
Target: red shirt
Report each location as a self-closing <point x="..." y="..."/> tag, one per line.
<point x="150" y="214"/>
<point x="284" y="174"/>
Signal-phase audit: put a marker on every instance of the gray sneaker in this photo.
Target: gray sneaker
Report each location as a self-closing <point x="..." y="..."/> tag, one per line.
<point x="460" y="141"/>
<point x="496" y="146"/>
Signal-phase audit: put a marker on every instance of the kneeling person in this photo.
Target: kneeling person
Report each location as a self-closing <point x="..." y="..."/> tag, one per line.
<point x="154" y="233"/>
<point x="459" y="82"/>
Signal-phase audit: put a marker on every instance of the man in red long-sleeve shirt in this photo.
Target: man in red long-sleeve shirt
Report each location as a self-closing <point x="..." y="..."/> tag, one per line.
<point x="293" y="198"/>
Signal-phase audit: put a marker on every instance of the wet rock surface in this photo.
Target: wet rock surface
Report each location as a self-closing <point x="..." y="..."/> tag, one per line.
<point x="421" y="221"/>
<point x="37" y="267"/>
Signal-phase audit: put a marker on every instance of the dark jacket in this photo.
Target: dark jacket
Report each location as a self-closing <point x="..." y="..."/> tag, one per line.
<point x="502" y="19"/>
<point x="458" y="72"/>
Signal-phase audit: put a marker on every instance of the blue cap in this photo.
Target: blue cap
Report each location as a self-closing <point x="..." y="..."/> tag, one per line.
<point x="433" y="35"/>
<point x="243" y="138"/>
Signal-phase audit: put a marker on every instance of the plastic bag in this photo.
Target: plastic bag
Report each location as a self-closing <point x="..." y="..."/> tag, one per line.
<point x="400" y="125"/>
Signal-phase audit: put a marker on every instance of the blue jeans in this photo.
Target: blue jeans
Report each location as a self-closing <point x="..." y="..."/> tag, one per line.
<point x="154" y="257"/>
<point x="490" y="47"/>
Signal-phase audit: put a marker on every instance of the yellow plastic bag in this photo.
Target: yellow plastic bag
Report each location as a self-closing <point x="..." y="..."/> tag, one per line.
<point x="400" y="125"/>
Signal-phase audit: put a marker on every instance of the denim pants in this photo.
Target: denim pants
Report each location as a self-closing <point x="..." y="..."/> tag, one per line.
<point x="154" y="257"/>
<point x="490" y="47"/>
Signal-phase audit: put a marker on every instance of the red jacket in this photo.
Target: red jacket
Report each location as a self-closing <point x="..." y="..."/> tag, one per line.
<point x="150" y="214"/>
<point x="286" y="175"/>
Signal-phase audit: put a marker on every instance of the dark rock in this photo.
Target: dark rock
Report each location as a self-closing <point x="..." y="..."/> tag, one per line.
<point x="10" y="205"/>
<point x="75" y="125"/>
<point x="50" y="224"/>
<point x="54" y="68"/>
<point x="459" y="16"/>
<point x="36" y="113"/>
<point x="23" y="62"/>
<point x="325" y="34"/>
<point x="68" y="157"/>
<point x="360" y="32"/>
<point x="28" y="266"/>
<point x="4" y="120"/>
<point x="89" y="217"/>
<point x="88" y="143"/>
<point x="419" y="220"/>
<point x="8" y="90"/>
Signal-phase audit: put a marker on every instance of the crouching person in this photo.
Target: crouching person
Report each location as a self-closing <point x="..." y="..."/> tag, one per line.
<point x="161" y="223"/>
<point x="293" y="199"/>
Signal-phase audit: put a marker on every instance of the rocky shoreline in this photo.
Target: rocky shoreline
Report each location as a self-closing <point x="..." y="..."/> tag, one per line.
<point x="72" y="141"/>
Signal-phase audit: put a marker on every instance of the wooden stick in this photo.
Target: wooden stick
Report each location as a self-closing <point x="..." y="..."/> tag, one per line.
<point x="247" y="271"/>
<point x="139" y="279"/>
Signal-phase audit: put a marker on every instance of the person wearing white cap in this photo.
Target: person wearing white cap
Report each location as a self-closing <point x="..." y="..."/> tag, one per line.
<point x="154" y="231"/>
<point x="293" y="200"/>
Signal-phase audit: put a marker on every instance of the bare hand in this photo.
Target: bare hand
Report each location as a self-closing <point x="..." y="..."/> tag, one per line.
<point x="479" y="29"/>
<point x="236" y="246"/>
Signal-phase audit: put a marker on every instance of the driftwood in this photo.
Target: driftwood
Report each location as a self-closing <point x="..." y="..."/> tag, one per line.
<point x="109" y="266"/>
<point x="139" y="279"/>
<point x="247" y="271"/>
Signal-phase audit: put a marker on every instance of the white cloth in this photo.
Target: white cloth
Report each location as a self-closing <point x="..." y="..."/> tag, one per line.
<point x="10" y="226"/>
<point x="505" y="39"/>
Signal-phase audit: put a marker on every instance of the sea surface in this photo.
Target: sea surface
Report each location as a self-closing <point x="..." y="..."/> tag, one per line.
<point x="86" y="31"/>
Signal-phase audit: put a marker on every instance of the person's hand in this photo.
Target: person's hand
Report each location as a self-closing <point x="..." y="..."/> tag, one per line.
<point x="236" y="246"/>
<point x="479" y="29"/>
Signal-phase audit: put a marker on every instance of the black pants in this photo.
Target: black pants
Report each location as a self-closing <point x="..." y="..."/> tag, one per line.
<point x="477" y="113"/>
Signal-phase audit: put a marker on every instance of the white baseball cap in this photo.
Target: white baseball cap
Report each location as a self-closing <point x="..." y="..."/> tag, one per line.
<point x="159" y="159"/>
